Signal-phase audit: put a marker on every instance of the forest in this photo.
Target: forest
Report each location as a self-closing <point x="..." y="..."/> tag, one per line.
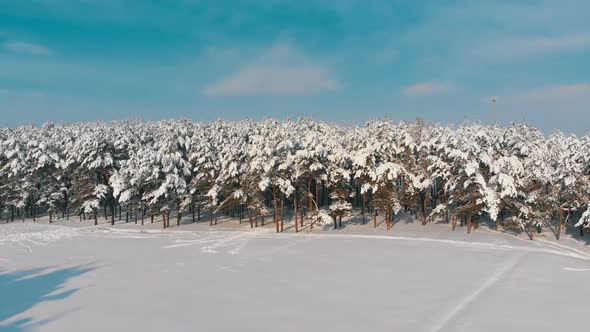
<point x="312" y="171"/>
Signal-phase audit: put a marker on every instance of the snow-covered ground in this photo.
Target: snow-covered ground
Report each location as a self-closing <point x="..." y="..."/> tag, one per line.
<point x="71" y="276"/>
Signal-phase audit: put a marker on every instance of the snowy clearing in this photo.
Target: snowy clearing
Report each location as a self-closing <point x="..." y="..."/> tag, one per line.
<point x="71" y="277"/>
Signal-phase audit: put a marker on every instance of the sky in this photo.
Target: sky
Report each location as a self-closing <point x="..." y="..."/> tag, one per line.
<point x="334" y="60"/>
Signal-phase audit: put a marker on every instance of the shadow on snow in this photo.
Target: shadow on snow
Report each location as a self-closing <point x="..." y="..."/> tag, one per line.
<point x="22" y="290"/>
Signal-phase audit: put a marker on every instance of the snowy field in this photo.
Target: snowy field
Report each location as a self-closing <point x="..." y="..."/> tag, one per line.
<point x="70" y="276"/>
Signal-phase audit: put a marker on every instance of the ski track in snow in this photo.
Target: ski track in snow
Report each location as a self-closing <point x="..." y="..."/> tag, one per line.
<point x="34" y="236"/>
<point x="232" y="242"/>
<point x="211" y="242"/>
<point x="576" y="269"/>
<point x="471" y="297"/>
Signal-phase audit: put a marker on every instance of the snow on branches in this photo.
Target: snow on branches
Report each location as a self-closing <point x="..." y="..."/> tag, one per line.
<point x="472" y="170"/>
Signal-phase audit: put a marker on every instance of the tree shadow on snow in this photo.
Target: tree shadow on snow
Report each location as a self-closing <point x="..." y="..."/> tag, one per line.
<point x="22" y="290"/>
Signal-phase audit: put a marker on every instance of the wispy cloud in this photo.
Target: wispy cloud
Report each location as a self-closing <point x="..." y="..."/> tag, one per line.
<point x="426" y="88"/>
<point x="21" y="93"/>
<point x="24" y="47"/>
<point x="560" y="92"/>
<point x="280" y="71"/>
<point x="525" y="47"/>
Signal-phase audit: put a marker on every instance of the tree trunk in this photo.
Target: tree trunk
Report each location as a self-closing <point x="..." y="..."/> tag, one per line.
<point x="295" y="212"/>
<point x="559" y="225"/>
<point x="340" y="221"/>
<point x="211" y="219"/>
<point x="454" y="222"/>
<point x="469" y="224"/>
<point x="423" y="196"/>
<point x="282" y="212"/>
<point x="375" y="219"/>
<point x="163" y="219"/>
<point x="317" y="195"/>
<point x="193" y="211"/>
<point x="95" y="217"/>
<point x="363" y="206"/>
<point x="178" y="218"/>
<point x="309" y="193"/>
<point x="301" y="217"/>
<point x="531" y="233"/>
<point x="250" y="218"/>
<point x="50" y="217"/>
<point x="276" y="211"/>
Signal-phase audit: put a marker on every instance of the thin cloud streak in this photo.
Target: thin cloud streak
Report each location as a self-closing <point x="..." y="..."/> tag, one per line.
<point x="426" y="88"/>
<point x="28" y="48"/>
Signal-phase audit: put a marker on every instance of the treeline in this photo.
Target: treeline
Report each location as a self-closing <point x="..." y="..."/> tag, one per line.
<point x="315" y="171"/>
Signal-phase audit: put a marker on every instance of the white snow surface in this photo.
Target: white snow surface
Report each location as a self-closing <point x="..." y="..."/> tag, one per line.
<point x="71" y="276"/>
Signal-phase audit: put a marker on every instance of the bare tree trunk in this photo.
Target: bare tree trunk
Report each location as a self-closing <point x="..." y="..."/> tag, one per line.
<point x="151" y="218"/>
<point x="282" y="212"/>
<point x="375" y="219"/>
<point x="276" y="211"/>
<point x="363" y="206"/>
<point x="178" y="218"/>
<point x="309" y="193"/>
<point x="163" y="219"/>
<point x="250" y="218"/>
<point x="454" y="222"/>
<point x="559" y="225"/>
<point x="301" y="219"/>
<point x="423" y="197"/>
<point x="531" y="231"/>
<point x="295" y="212"/>
<point x="317" y="195"/>
<point x="240" y="213"/>
<point x="211" y="219"/>
<point x="95" y="217"/>
<point x="50" y="217"/>
<point x="469" y="224"/>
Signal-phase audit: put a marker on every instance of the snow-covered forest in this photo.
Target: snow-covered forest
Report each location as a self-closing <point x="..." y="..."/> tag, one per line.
<point x="313" y="172"/>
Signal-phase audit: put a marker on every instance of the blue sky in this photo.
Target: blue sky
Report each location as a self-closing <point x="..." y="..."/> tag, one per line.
<point x="346" y="60"/>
